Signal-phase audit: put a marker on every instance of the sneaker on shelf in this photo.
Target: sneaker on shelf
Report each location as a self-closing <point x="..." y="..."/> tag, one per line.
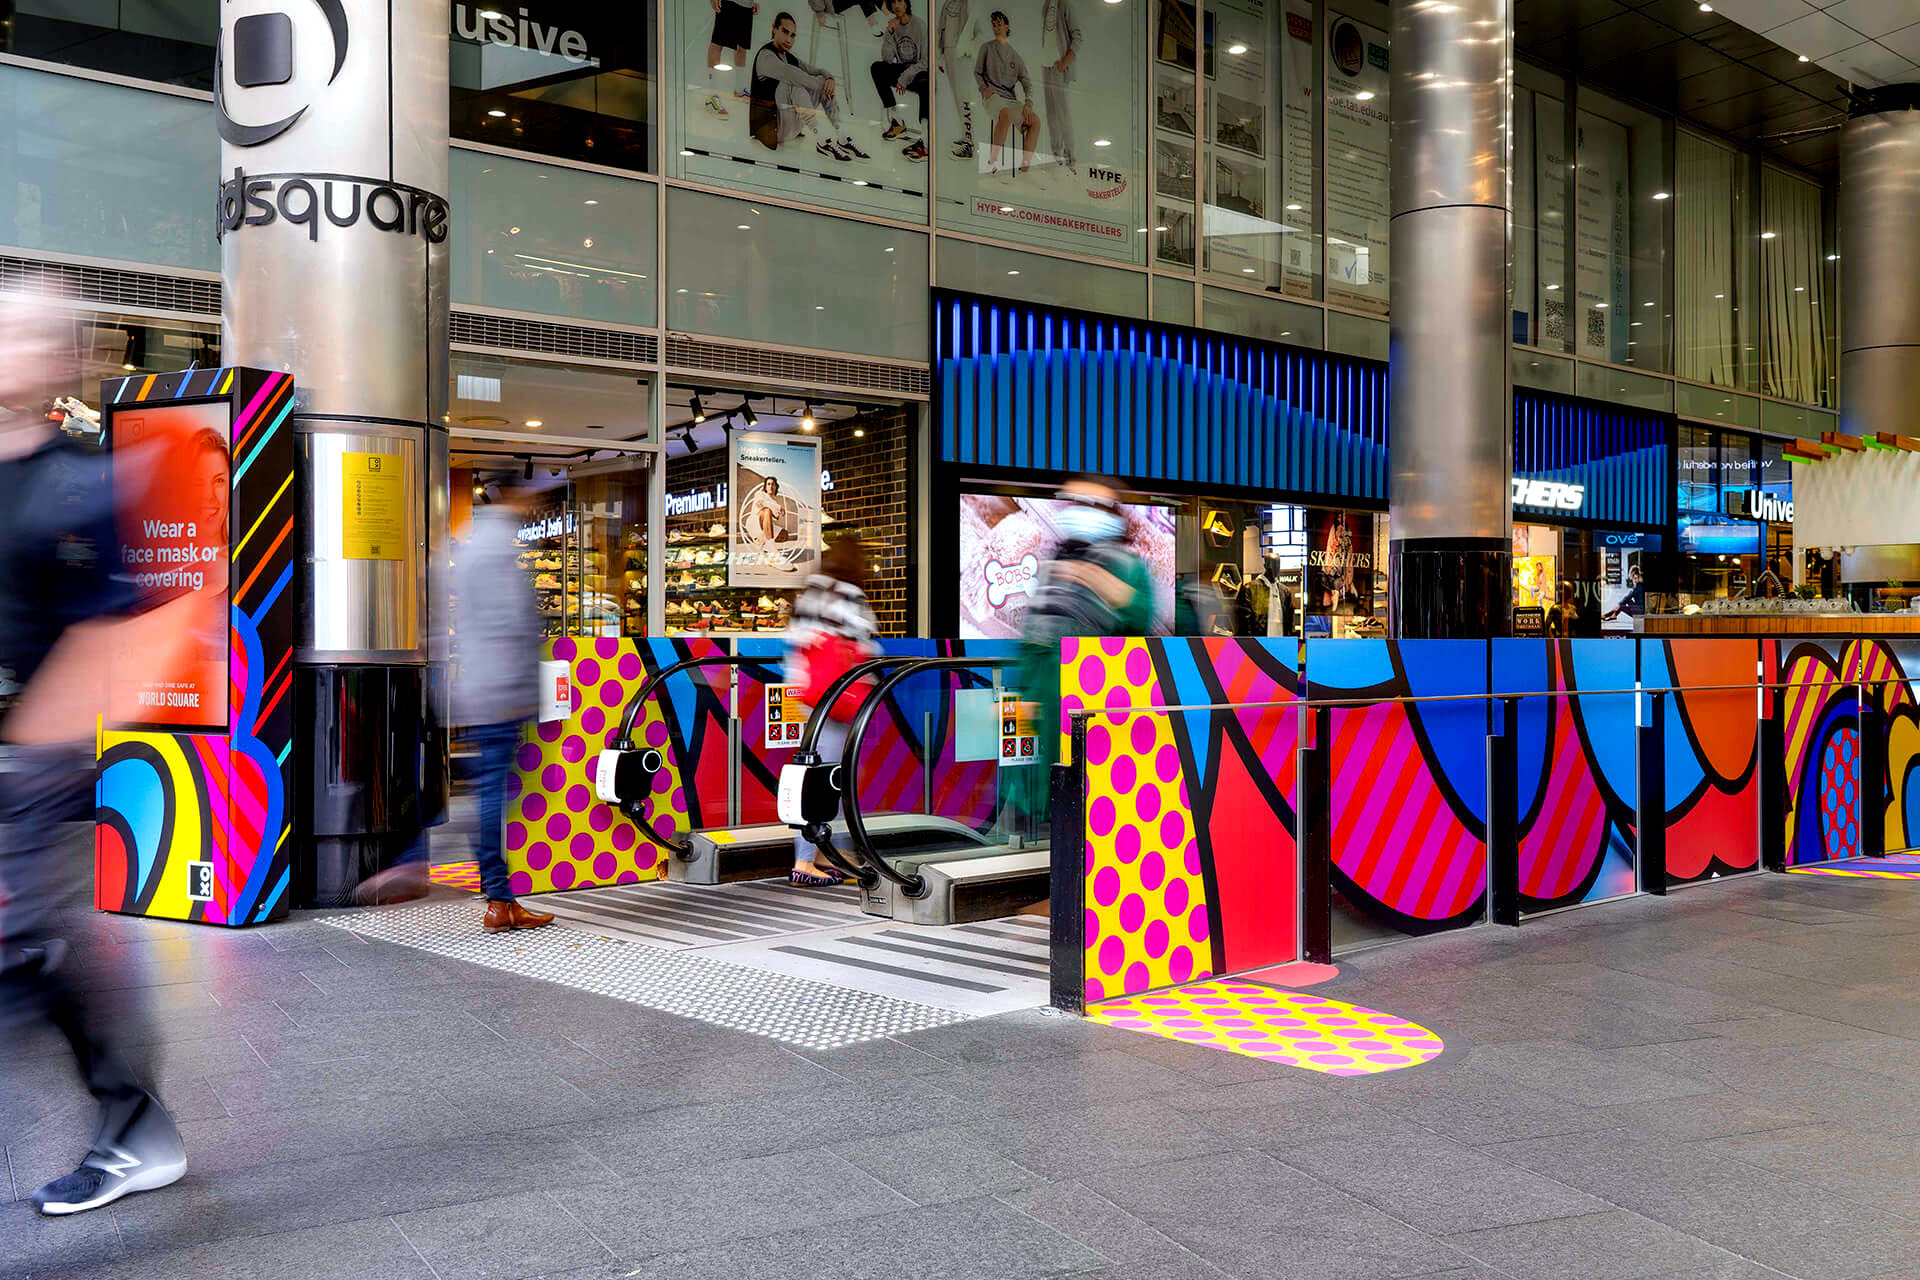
<point x="894" y="130"/>
<point x="715" y="106"/>
<point x="716" y="531"/>
<point x="851" y="148"/>
<point x="963" y="150"/>
<point x="832" y="151"/>
<point x="917" y="152"/>
<point x="766" y="602"/>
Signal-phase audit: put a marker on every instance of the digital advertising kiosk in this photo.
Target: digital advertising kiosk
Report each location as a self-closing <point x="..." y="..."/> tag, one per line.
<point x="194" y="799"/>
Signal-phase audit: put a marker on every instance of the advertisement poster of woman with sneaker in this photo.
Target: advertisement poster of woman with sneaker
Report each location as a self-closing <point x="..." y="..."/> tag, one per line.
<point x="1051" y="123"/>
<point x="824" y="101"/>
<point x="774" y="534"/>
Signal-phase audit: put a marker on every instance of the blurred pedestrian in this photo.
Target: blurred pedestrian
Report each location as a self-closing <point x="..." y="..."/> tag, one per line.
<point x="1095" y="585"/>
<point x="832" y="631"/>
<point x="58" y="585"/>
<point x="497" y="633"/>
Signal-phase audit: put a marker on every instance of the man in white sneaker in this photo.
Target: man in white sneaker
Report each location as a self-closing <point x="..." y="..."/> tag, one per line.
<point x="58" y="590"/>
<point x="957" y="38"/>
<point x="788" y="97"/>
<point x="903" y="69"/>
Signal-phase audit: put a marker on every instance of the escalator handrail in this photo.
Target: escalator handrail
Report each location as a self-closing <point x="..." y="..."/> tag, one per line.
<point x="623" y="741"/>
<point x="845" y="680"/>
<point x="914" y="885"/>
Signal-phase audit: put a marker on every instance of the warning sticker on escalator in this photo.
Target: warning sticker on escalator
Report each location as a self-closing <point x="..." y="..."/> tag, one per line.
<point x="1019" y="730"/>
<point x="786" y="716"/>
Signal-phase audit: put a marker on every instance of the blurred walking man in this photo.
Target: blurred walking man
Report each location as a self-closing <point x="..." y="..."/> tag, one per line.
<point x="57" y="561"/>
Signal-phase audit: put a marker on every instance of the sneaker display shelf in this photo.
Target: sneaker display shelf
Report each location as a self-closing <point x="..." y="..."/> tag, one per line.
<point x="699" y="601"/>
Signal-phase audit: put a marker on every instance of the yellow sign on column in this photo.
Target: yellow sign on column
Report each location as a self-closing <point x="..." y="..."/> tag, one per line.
<point x="373" y="525"/>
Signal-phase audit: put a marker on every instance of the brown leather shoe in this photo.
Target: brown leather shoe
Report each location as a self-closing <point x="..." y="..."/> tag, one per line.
<point x="525" y="919"/>
<point x="499" y="916"/>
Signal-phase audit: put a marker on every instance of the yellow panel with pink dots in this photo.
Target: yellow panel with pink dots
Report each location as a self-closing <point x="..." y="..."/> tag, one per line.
<point x="1289" y="1027"/>
<point x="1146" y="908"/>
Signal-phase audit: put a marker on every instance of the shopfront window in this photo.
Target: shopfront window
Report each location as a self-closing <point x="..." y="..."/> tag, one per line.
<point x="1796" y="361"/>
<point x="1242" y="569"/>
<point x="1621" y="194"/>
<point x="517" y="397"/>
<point x="569" y="78"/>
<point x="1262" y="114"/>
<point x="1358" y="192"/>
<point x="1541" y="191"/>
<point x="170" y="41"/>
<point x="1715" y="307"/>
<point x="1006" y="535"/>
<point x="1176" y="128"/>
<point x="1041" y="135"/>
<point x="758" y="484"/>
<point x="552" y="240"/>
<point x="103" y="171"/>
<point x="765" y="273"/>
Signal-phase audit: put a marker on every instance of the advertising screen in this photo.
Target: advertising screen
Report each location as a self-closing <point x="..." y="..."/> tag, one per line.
<point x="1712" y="537"/>
<point x="170" y="474"/>
<point x="1004" y="541"/>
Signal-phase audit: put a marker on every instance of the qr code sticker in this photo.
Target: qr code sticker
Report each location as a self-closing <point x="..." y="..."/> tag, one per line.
<point x="1596" y="327"/>
<point x="1553" y="322"/>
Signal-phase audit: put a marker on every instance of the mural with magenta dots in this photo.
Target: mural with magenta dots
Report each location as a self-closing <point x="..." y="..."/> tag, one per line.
<point x="559" y="835"/>
<point x="1176" y="802"/>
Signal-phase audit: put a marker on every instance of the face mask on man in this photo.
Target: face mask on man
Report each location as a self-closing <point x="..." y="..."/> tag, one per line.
<point x="1091" y="524"/>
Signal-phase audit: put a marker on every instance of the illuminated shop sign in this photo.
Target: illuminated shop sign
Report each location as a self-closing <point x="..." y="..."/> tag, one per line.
<point x="1548" y="495"/>
<point x="1757" y="504"/>
<point x="552" y="526"/>
<point x="713" y="497"/>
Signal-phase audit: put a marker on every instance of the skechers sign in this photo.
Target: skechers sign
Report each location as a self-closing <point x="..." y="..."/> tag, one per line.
<point x="1548" y="495"/>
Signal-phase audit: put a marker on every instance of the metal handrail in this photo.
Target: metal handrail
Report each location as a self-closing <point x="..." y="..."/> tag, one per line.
<point x="914" y="886"/>
<point x="623" y="741"/>
<point x="1087" y="713"/>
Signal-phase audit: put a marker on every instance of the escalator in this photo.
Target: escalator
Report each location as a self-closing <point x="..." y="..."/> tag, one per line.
<point x="910" y="866"/>
<point x="940" y="877"/>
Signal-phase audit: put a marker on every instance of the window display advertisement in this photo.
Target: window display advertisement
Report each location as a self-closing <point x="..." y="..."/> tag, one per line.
<point x="826" y="100"/>
<point x="1042" y="109"/>
<point x="1004" y="542"/>
<point x="773" y="539"/>
<point x="170" y="467"/>
<point x="1340" y="563"/>
<point x="1358" y="199"/>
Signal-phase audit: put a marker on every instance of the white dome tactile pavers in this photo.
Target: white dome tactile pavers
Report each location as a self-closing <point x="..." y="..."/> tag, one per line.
<point x="792" y="1010"/>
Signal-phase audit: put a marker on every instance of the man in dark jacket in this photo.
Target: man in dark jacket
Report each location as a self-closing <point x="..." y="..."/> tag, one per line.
<point x="58" y="550"/>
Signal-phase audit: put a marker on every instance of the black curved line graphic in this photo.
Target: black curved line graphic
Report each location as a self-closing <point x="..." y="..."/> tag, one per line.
<point x="336" y="17"/>
<point x="1462" y="811"/>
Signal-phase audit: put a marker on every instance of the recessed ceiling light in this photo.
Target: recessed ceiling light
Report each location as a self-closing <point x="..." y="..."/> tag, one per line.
<point x="1006" y="208"/>
<point x="1719" y="295"/>
<point x="1799" y="288"/>
<point x="859" y="432"/>
<point x="1833" y="257"/>
<point x="1013" y="271"/>
<point x="1663" y="195"/>
<point x="1552" y="287"/>
<point x="1705" y="7"/>
<point x="1646" y="304"/>
<point x="1599" y="306"/>
<point x="497" y="114"/>
<point x="1768" y="235"/>
<point x="593" y="202"/>
<point x="723" y="66"/>
<point x="1103" y="142"/>
<point x="513" y="231"/>
<point x="129" y="367"/>
<point x="1160" y="229"/>
<point x="535" y="422"/>
<point x="1294" y="208"/>
<point x="1365" y="95"/>
<point x="1805" y="58"/>
<point x="889" y="248"/>
<point x="587" y="243"/>
<point x="1246" y="271"/>
<point x="819" y="308"/>
<point x="859" y="182"/>
<point x="1236" y="48"/>
<point x="744" y="226"/>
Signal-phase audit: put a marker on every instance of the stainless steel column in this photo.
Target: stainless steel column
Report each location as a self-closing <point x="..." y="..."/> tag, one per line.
<point x="1880" y="263"/>
<point x="333" y="119"/>
<point x="1449" y="376"/>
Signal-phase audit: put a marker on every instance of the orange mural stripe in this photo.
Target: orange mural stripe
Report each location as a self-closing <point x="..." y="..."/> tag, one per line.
<point x="147" y="386"/>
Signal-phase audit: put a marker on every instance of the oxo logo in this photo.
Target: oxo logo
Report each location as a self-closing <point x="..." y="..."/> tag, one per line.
<point x="263" y="55"/>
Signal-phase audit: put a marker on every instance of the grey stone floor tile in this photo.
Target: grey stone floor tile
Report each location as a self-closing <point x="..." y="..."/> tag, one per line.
<point x="734" y="1200"/>
<point x="875" y="1060"/>
<point x="368" y="1249"/>
<point x="1709" y="1115"/>
<point x="1017" y="1037"/>
<point x="1188" y="1268"/>
<point x="1581" y="1075"/>
<point x="1609" y="1245"/>
<point x="660" y="1140"/>
<point x="1439" y="1186"/>
<point x="302" y="1086"/>
<point x="966" y="1240"/>
<point x="284" y="1197"/>
<point x="930" y="1166"/>
<point x="1293" y="1110"/>
<point x="1474" y="1106"/>
<point x="505" y="1238"/>
<point x="1065" y="1081"/>
<point x="1254" y="1217"/>
<point x="31" y="1245"/>
<point x="1067" y="1144"/>
<point x="1077" y="1211"/>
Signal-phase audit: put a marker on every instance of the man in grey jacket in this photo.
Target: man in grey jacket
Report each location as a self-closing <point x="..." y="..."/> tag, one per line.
<point x="1060" y="47"/>
<point x="787" y="97"/>
<point x="1006" y="90"/>
<point x="496" y="680"/>
<point x="903" y="68"/>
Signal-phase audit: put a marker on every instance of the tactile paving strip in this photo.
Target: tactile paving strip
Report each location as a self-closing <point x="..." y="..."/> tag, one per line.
<point x="792" y="1010"/>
